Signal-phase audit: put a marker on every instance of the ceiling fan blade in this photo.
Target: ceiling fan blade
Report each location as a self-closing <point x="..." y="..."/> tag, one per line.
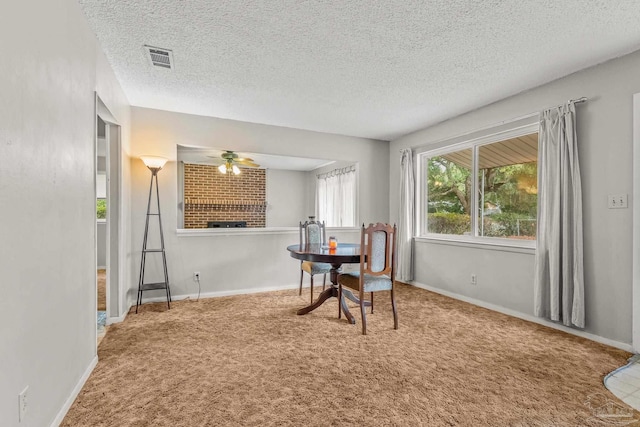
<point x="243" y="159"/>
<point x="216" y="160"/>
<point x="248" y="164"/>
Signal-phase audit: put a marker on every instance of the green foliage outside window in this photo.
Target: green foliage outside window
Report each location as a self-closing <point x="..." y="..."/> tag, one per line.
<point x="101" y="208"/>
<point x="507" y="198"/>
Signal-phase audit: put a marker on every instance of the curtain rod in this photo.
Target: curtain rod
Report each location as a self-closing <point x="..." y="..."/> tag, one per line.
<point x="338" y="171"/>
<point x="515" y="119"/>
<point x="579" y="100"/>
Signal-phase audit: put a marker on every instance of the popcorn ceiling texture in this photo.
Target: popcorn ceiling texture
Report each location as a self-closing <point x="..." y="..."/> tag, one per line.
<point x="212" y="196"/>
<point x="374" y="68"/>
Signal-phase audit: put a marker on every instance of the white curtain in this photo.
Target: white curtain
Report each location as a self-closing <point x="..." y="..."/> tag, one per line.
<point x="406" y="218"/>
<point x="559" y="276"/>
<point x="336" y="197"/>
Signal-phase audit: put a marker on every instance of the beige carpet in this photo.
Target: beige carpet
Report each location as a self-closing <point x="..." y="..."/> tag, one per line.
<point x="102" y="291"/>
<point x="251" y="361"/>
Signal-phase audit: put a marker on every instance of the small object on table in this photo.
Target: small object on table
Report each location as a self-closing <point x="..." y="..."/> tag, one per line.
<point x="333" y="242"/>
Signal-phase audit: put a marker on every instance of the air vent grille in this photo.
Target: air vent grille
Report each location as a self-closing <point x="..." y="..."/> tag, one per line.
<point x="159" y="57"/>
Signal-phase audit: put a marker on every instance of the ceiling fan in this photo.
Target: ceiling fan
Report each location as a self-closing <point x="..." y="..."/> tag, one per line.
<point x="230" y="162"/>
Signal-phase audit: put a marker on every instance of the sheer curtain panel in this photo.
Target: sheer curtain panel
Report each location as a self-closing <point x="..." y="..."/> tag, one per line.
<point x="407" y="217"/>
<point x="337" y="197"/>
<point x="559" y="276"/>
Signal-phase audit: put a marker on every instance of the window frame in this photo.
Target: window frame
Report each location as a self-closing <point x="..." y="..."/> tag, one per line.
<point x="470" y="141"/>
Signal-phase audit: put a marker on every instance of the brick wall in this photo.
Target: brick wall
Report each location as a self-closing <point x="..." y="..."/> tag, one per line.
<point x="212" y="196"/>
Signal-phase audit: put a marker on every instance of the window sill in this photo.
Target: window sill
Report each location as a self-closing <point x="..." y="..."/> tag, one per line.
<point x="203" y="232"/>
<point x="505" y="245"/>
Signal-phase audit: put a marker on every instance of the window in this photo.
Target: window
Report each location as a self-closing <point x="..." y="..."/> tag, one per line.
<point x="336" y="197"/>
<point x="101" y="196"/>
<point x="485" y="188"/>
<point x="101" y="208"/>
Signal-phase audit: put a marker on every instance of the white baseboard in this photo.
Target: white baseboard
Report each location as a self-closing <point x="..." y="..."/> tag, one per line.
<point x="112" y="320"/>
<point x="74" y="393"/>
<point x="528" y="317"/>
<point x="223" y="293"/>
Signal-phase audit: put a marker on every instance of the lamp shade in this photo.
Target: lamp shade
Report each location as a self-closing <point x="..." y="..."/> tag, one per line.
<point x="153" y="162"/>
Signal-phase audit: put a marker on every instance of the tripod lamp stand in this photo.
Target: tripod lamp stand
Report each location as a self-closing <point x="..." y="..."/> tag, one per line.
<point x="154" y="163"/>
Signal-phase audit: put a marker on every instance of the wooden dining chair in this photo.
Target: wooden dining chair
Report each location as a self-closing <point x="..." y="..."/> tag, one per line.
<point x="377" y="263"/>
<point x="313" y="232"/>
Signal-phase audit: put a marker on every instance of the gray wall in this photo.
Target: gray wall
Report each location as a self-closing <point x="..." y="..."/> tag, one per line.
<point x="51" y="69"/>
<point x="101" y="244"/>
<point x="286" y="197"/>
<point x="234" y="261"/>
<point x="604" y="126"/>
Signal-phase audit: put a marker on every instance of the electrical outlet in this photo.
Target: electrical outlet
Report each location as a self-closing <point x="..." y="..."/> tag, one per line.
<point x="22" y="404"/>
<point x="617" y="201"/>
<point x="196" y="276"/>
<point x="474" y="279"/>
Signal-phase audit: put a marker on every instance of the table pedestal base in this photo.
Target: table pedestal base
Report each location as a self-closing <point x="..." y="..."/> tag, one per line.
<point x="331" y="292"/>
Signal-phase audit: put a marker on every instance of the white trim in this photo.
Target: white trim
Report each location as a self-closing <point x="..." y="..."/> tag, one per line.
<point x="204" y="232"/>
<point x="635" y="287"/>
<point x="479" y="137"/>
<point x="74" y="393"/>
<point x="245" y="291"/>
<point x="527" y="317"/>
<point x="469" y="141"/>
<point x="102" y="267"/>
<point x="112" y="320"/>
<point x="488" y="243"/>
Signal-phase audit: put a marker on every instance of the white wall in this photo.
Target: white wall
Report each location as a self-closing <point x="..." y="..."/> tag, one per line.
<point x="604" y="126"/>
<point x="235" y="262"/>
<point x="51" y="69"/>
<point x="286" y="197"/>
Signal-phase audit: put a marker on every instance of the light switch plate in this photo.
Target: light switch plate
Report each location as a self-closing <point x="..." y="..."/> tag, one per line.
<point x="617" y="201"/>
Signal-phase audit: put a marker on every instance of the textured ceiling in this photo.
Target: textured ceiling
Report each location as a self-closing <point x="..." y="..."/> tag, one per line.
<point x="370" y="68"/>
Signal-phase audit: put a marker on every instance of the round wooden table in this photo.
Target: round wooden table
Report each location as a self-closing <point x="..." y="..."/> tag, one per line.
<point x="345" y="253"/>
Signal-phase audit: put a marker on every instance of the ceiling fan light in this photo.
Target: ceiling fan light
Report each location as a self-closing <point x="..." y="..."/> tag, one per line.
<point x="222" y="168"/>
<point x="235" y="169"/>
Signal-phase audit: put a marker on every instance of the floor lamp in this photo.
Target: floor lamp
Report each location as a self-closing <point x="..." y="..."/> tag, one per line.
<point x="154" y="164"/>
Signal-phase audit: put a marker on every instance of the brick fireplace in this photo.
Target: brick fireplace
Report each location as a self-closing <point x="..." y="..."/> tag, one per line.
<point x="210" y="196"/>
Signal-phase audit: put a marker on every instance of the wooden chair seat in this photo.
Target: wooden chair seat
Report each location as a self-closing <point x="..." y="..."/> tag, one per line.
<point x="315" y="267"/>
<point x="371" y="283"/>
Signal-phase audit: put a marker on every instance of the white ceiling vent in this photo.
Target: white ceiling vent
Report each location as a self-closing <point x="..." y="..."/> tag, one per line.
<point x="159" y="57"/>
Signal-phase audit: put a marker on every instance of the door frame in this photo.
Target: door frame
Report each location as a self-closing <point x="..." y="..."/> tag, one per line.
<point x="114" y="234"/>
<point x="635" y="325"/>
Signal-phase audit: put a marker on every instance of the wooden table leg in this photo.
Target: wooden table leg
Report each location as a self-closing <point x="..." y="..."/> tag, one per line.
<point x="330" y="292"/>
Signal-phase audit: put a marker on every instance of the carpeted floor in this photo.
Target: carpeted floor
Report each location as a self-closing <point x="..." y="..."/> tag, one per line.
<point x="251" y="361"/>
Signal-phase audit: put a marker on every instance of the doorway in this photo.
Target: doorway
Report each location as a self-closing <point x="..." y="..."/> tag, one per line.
<point x="109" y="294"/>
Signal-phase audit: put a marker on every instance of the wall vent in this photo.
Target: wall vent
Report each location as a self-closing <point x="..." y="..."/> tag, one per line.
<point x="159" y="57"/>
